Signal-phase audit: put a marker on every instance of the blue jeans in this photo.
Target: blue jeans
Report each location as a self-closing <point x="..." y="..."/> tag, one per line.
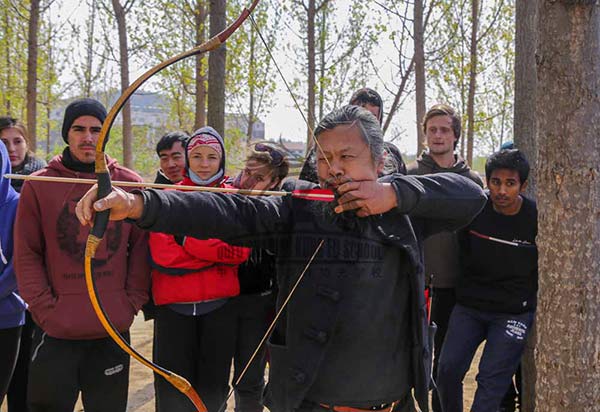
<point x="505" y="336"/>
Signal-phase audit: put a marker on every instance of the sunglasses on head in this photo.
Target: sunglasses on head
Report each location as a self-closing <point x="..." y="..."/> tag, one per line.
<point x="276" y="156"/>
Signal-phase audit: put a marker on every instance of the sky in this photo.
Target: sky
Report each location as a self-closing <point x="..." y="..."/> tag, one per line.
<point x="283" y="119"/>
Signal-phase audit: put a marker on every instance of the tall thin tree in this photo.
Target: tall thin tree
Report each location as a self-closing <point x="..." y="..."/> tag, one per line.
<point x="525" y="139"/>
<point x="32" y="64"/>
<point x="200" y="76"/>
<point x="419" y="59"/>
<point x="216" y="69"/>
<point x="472" y="80"/>
<point x="121" y="11"/>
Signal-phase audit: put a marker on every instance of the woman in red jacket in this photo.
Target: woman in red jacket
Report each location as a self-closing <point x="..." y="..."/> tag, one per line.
<point x="192" y="281"/>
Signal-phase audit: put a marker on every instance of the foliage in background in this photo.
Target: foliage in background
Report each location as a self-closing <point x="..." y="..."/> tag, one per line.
<point x="357" y="44"/>
<point x="13" y="65"/>
<point x="448" y="69"/>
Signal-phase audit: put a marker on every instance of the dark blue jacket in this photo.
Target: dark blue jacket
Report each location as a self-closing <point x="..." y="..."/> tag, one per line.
<point x="12" y="307"/>
<point x="292" y="228"/>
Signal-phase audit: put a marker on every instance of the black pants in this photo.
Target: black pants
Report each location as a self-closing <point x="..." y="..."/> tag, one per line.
<point x="9" y="350"/>
<point x="61" y="368"/>
<point x="252" y="321"/>
<point x="443" y="302"/>
<point x="200" y="349"/>
<point x="17" y="391"/>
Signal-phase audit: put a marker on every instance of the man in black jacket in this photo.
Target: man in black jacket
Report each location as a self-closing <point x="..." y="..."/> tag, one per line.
<point x="354" y="337"/>
<point x="496" y="291"/>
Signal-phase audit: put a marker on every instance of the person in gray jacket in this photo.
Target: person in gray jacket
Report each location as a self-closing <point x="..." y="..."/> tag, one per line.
<point x="442" y="128"/>
<point x="354" y="337"/>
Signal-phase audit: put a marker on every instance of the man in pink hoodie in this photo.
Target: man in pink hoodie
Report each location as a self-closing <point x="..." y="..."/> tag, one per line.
<point x="71" y="352"/>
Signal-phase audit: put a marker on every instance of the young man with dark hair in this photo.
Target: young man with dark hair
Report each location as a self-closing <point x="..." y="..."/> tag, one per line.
<point x="355" y="336"/>
<point x="370" y="100"/>
<point x="442" y="128"/>
<point x="172" y="158"/>
<point x="71" y="350"/>
<point x="496" y="292"/>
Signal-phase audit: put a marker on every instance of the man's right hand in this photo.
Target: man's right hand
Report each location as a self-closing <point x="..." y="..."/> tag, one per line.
<point x="122" y="205"/>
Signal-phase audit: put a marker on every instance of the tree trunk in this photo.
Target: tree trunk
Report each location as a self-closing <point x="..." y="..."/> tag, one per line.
<point x="200" y="78"/>
<point x="216" y="69"/>
<point x="419" y="72"/>
<point x="88" y="73"/>
<point x="472" y="80"/>
<point x="322" y="46"/>
<point x="525" y="140"/>
<point x="310" y="115"/>
<point x="8" y="83"/>
<point x="124" y="63"/>
<point x="526" y="85"/>
<point x="32" y="57"/>
<point x="251" y="86"/>
<point x="568" y="114"/>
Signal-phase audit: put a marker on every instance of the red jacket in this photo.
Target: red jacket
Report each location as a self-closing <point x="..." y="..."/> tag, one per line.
<point x="49" y="254"/>
<point x="196" y="270"/>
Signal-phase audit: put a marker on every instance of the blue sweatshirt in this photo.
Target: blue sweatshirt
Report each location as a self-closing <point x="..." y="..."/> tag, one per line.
<point x="12" y="307"/>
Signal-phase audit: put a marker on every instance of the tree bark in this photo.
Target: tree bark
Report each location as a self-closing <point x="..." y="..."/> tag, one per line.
<point x="525" y="140"/>
<point x="200" y="78"/>
<point x="310" y="115"/>
<point x="472" y="80"/>
<point x="419" y="72"/>
<point x="568" y="114"/>
<point x="251" y="87"/>
<point x="322" y="46"/>
<point x="32" y="57"/>
<point x="8" y="83"/>
<point x="124" y="63"/>
<point x="216" y="69"/>
<point x="526" y="85"/>
<point x="88" y="74"/>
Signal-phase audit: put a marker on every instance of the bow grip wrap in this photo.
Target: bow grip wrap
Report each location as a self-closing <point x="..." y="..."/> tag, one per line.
<point x="101" y="218"/>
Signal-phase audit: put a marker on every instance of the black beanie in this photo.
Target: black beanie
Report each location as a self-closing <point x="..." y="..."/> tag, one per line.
<point x="78" y="108"/>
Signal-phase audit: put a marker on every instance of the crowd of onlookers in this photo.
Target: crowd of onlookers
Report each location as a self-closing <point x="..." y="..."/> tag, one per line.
<point x="212" y="301"/>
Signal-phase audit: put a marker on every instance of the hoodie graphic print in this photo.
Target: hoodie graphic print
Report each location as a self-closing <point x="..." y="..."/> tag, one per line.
<point x="12" y="307"/>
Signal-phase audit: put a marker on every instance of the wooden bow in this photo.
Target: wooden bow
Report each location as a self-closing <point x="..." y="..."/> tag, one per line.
<point x="101" y="219"/>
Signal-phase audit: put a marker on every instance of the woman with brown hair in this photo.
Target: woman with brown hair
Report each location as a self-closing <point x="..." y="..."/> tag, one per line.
<point x="13" y="134"/>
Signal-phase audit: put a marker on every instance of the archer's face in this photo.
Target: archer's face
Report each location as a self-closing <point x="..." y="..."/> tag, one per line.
<point x="82" y="138"/>
<point x="348" y="155"/>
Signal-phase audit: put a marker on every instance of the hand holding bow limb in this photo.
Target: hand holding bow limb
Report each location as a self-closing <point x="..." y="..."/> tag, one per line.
<point x="122" y="205"/>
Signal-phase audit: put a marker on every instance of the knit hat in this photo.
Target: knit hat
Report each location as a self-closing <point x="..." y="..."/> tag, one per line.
<point x="204" y="139"/>
<point x="211" y="138"/>
<point x="78" y="108"/>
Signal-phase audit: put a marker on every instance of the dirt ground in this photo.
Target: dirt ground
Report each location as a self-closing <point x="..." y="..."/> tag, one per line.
<point x="141" y="389"/>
